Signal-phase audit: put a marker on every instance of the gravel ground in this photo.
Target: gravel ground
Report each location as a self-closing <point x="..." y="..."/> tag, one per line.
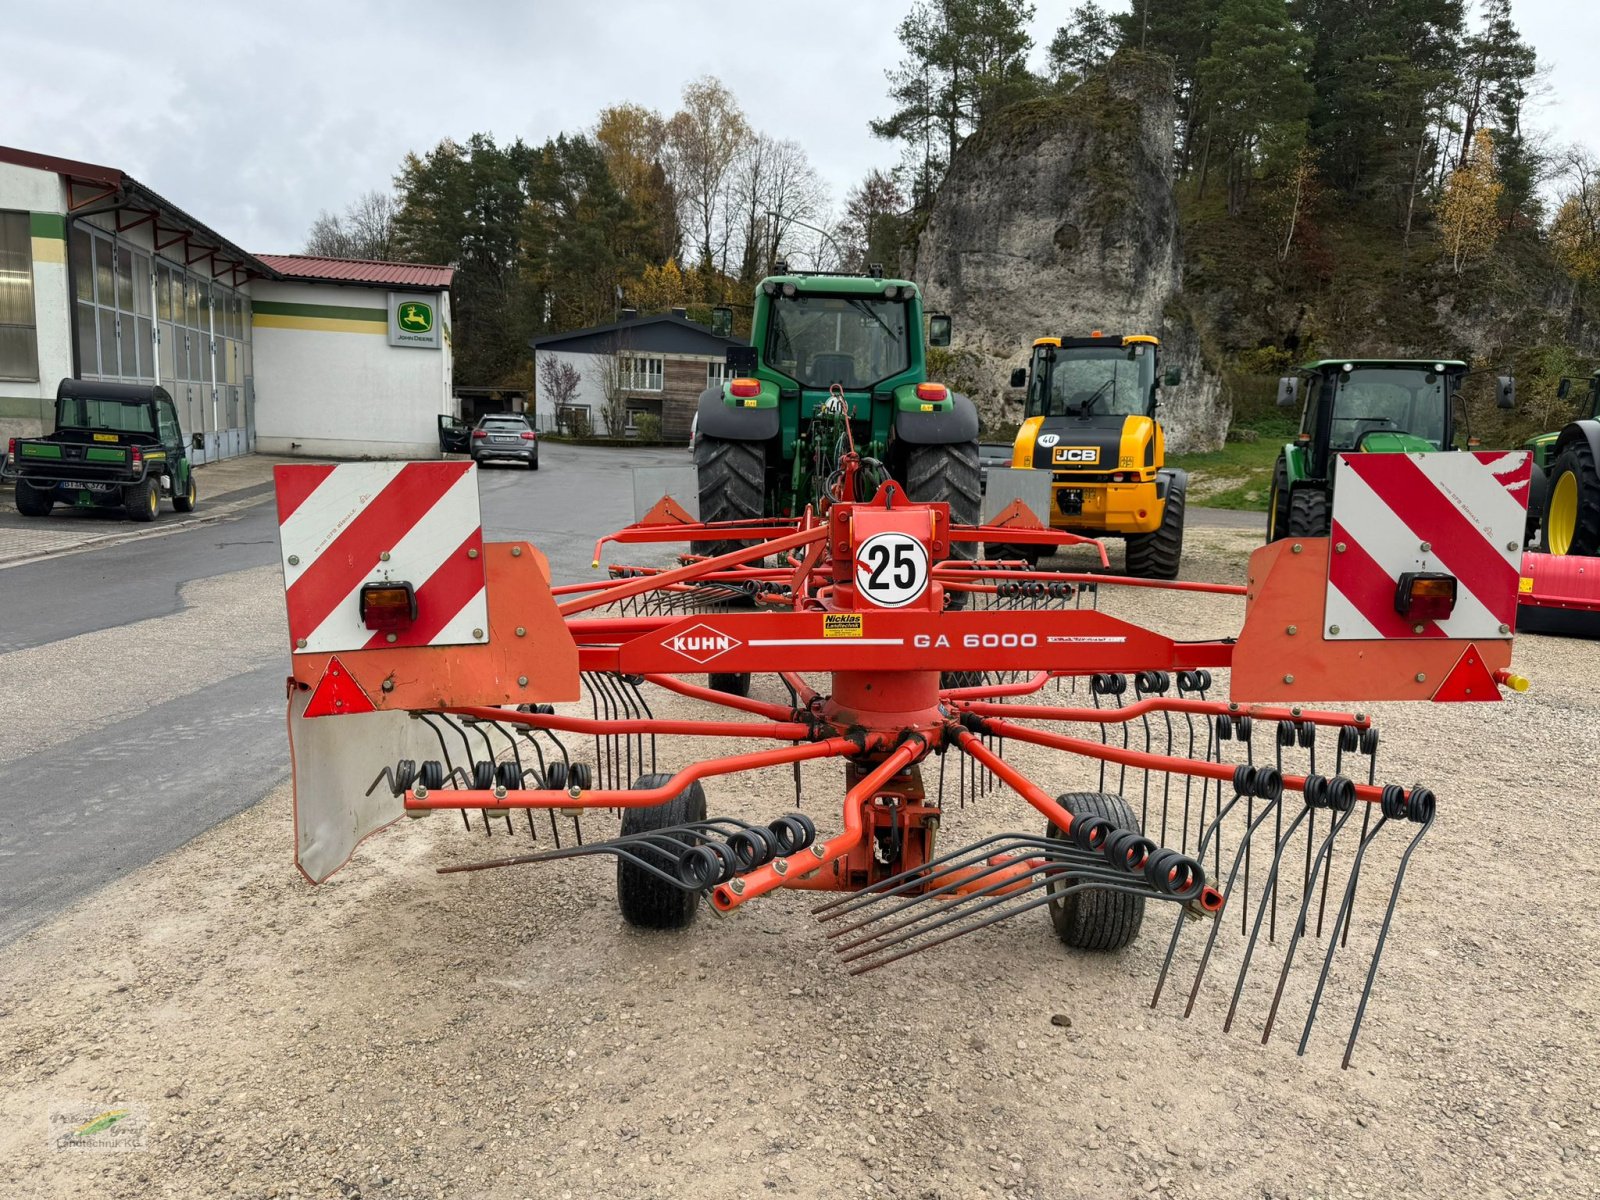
<point x="397" y="1033"/>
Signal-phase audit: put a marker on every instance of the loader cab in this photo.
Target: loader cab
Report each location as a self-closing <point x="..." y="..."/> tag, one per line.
<point x="1093" y="377"/>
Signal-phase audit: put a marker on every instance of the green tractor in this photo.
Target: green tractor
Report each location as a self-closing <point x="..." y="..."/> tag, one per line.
<point x="834" y="360"/>
<point x="1565" y="497"/>
<point x="1372" y="405"/>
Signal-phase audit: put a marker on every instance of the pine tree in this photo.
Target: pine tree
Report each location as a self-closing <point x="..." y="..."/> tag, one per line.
<point x="1253" y="96"/>
<point x="1082" y="45"/>
<point x="965" y="59"/>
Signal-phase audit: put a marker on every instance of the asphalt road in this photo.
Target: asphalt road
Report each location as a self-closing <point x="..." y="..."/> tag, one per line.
<point x="141" y="684"/>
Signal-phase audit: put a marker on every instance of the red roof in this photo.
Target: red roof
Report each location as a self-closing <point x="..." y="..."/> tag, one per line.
<point x="359" y="270"/>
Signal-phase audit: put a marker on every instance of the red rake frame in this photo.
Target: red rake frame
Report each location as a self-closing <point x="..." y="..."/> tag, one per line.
<point x="912" y="681"/>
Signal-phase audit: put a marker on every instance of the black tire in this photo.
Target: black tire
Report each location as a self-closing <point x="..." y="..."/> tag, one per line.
<point x="1159" y="555"/>
<point x="950" y="475"/>
<point x="1574" y="487"/>
<point x="191" y="497"/>
<point x="1308" y="512"/>
<point x="647" y="902"/>
<point x="733" y="485"/>
<point x="32" y="501"/>
<point x="1278" y="502"/>
<point x="729" y="683"/>
<point x="1096" y="918"/>
<point x="533" y="463"/>
<point x="142" y="501"/>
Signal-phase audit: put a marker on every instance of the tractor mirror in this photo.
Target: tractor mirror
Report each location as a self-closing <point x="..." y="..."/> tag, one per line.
<point x="741" y="360"/>
<point x="1288" y="391"/>
<point x="1506" y="392"/>
<point x="939" y="330"/>
<point x="1019" y="377"/>
<point x="722" y="321"/>
<point x="1173" y="378"/>
<point x="1564" y="388"/>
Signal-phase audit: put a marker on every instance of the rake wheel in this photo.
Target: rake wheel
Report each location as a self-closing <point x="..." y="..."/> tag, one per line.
<point x="646" y="901"/>
<point x="1095" y="918"/>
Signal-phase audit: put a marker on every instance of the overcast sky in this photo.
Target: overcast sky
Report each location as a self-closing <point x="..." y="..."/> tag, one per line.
<point x="254" y="118"/>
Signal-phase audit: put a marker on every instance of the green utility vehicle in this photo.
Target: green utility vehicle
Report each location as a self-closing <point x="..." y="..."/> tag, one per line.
<point x="1566" y="480"/>
<point x="1371" y="405"/>
<point x="832" y="353"/>
<point x="115" y="445"/>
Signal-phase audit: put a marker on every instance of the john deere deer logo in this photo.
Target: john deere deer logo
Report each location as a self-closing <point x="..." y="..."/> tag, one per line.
<point x="416" y="317"/>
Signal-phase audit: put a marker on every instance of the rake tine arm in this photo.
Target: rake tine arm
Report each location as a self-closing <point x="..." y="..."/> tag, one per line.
<point x="897" y="884"/>
<point x="778" y="732"/>
<point x="1177" y="928"/>
<point x="624" y="588"/>
<point x="1138" y="759"/>
<point x="1027" y="687"/>
<point x="1383" y="930"/>
<point x="821" y="853"/>
<point x="1012" y="778"/>
<point x="640" y="797"/>
<point x="1140" y="708"/>
<point x="1324" y="856"/>
<point x="761" y="708"/>
<point x="1124" y="885"/>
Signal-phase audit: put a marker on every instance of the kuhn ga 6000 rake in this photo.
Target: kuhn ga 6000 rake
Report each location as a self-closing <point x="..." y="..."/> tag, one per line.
<point x="882" y="646"/>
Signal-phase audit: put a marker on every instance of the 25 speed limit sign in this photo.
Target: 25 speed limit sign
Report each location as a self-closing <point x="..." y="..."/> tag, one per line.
<point x="891" y="569"/>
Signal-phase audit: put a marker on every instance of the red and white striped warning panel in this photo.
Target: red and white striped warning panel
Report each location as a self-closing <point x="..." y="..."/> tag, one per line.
<point x="1449" y="513"/>
<point x="343" y="526"/>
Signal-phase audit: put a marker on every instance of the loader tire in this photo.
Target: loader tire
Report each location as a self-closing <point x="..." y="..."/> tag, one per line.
<point x="1159" y="555"/>
<point x="1308" y="512"/>
<point x="949" y="474"/>
<point x="142" y="501"/>
<point x="1572" y="504"/>
<point x="647" y="902"/>
<point x="1095" y="918"/>
<point x="32" y="501"/>
<point x="733" y="485"/>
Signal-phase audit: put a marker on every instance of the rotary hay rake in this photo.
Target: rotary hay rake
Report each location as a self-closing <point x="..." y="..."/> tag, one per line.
<point x="1258" y="821"/>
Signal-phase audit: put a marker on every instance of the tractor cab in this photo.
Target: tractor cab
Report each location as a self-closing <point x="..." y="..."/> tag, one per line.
<point x="1393" y="406"/>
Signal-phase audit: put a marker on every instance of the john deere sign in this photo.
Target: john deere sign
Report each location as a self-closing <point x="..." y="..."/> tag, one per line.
<point x="413" y="321"/>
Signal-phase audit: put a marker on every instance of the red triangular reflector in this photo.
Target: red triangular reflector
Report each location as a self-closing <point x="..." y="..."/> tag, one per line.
<point x="1469" y="679"/>
<point x="666" y="511"/>
<point x="337" y="694"/>
<point x="1016" y="515"/>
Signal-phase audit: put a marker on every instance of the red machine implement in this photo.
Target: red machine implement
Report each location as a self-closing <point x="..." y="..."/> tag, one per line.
<point x="882" y="648"/>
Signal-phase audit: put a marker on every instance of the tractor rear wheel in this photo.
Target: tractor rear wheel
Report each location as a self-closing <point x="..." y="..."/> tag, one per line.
<point x="1308" y="512"/>
<point x="1095" y="918"/>
<point x="32" y="501"/>
<point x="1278" y="503"/>
<point x="1572" y="505"/>
<point x="949" y="474"/>
<point x="647" y="902"/>
<point x="733" y="485"/>
<point x="1159" y="555"/>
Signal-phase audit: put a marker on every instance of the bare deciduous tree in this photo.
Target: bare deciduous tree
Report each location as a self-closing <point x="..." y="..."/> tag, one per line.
<point x="558" y="382"/>
<point x="364" y="230"/>
<point x="705" y="137"/>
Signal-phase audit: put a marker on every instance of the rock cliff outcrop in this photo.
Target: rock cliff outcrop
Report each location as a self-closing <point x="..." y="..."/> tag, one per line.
<point x="1057" y="218"/>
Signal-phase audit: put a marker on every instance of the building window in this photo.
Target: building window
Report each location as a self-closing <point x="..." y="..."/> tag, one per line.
<point x="717" y="374"/>
<point x="642" y="374"/>
<point x="574" y="420"/>
<point x="19" y="345"/>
